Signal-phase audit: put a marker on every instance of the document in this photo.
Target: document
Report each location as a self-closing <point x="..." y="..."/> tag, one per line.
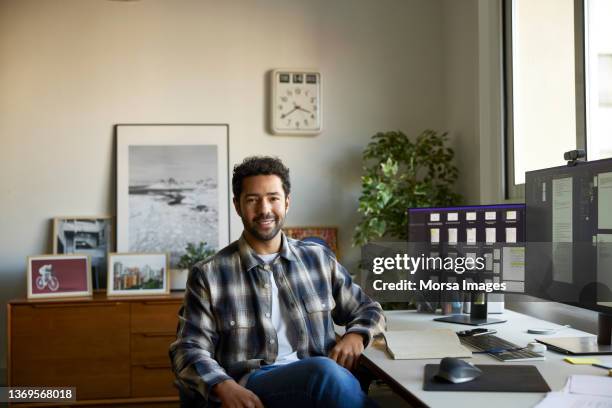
<point x="471" y="235"/>
<point x="604" y="264"/>
<point x="471" y="216"/>
<point x="562" y="399"/>
<point x="513" y="263"/>
<point x="511" y="235"/>
<point x="452" y="216"/>
<point x="490" y="215"/>
<point x="490" y="235"/>
<point x="596" y="385"/>
<point x="511" y="215"/>
<point x="452" y="235"/>
<point x="562" y="230"/>
<point x="604" y="201"/>
<point x="433" y="217"/>
<point x="424" y="344"/>
<point x="488" y="261"/>
<point x="435" y="235"/>
<point x="581" y="391"/>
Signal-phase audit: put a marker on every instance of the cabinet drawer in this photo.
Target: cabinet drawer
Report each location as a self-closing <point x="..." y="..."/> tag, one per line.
<point x="151" y="348"/>
<point x="81" y="345"/>
<point x="153" y="381"/>
<point x="155" y="317"/>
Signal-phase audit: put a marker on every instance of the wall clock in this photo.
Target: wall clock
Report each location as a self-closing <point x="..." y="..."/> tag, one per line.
<point x="296" y="102"/>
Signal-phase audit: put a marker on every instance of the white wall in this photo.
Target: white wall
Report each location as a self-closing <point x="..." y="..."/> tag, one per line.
<point x="461" y="58"/>
<point x="71" y="69"/>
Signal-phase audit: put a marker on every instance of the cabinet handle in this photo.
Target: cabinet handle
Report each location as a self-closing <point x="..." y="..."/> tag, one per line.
<point x="161" y="302"/>
<point x="63" y="305"/>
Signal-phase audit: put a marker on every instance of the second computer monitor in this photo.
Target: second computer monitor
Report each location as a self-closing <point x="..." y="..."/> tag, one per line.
<point x="494" y="232"/>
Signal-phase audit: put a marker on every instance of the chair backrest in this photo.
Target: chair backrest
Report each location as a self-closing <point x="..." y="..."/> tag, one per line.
<point x="316" y="240"/>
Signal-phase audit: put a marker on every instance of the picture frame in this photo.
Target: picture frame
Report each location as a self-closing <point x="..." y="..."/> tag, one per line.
<point x="87" y="235"/>
<point x="58" y="276"/>
<point x="137" y="274"/>
<point x="172" y="187"/>
<point x="326" y="233"/>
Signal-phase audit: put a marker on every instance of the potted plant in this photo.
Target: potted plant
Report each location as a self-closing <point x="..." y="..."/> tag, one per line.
<point x="193" y="254"/>
<point x="400" y="173"/>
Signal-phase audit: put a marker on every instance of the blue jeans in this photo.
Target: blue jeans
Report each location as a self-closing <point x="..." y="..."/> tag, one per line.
<point x="311" y="382"/>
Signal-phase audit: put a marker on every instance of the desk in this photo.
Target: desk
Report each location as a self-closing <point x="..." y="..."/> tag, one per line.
<point x="406" y="376"/>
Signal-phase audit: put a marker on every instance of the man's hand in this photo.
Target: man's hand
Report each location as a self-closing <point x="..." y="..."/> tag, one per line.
<point x="234" y="395"/>
<point x="347" y="351"/>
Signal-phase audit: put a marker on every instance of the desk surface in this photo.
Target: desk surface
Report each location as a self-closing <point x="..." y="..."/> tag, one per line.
<point x="408" y="374"/>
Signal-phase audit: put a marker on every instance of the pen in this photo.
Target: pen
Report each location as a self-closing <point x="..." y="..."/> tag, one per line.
<point x="483" y="333"/>
<point x="602" y="366"/>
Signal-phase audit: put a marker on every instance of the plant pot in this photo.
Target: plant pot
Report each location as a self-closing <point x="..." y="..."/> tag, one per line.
<point x="178" y="279"/>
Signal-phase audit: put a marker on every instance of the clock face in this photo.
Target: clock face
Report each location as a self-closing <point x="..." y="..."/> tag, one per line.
<point x="296" y="102"/>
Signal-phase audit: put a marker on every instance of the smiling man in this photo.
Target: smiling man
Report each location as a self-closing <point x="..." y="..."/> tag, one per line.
<point x="256" y="327"/>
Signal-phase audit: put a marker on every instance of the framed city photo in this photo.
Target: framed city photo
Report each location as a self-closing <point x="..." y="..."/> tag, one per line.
<point x="91" y="236"/>
<point x="52" y="276"/>
<point x="172" y="188"/>
<point x="131" y="274"/>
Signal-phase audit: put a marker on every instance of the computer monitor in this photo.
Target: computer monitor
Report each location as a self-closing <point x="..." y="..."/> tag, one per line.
<point x="493" y="232"/>
<point x="569" y="238"/>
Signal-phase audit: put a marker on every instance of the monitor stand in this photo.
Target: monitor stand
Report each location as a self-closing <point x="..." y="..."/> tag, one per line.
<point x="585" y="345"/>
<point x="478" y="313"/>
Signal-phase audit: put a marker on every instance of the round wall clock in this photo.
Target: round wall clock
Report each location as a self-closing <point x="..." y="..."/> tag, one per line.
<point x="296" y="102"/>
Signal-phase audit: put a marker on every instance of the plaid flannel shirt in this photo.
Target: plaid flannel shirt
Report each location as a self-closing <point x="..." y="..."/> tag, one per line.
<point x="224" y="326"/>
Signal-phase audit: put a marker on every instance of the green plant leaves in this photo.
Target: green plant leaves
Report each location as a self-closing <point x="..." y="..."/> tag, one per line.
<point x="194" y="254"/>
<point x="399" y="174"/>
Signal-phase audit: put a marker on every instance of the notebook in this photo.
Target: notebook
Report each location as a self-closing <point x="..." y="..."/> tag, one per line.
<point x="424" y="344"/>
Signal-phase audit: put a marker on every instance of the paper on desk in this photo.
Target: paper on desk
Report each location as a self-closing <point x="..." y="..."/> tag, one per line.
<point x="565" y="400"/>
<point x="423" y="344"/>
<point x="596" y="385"/>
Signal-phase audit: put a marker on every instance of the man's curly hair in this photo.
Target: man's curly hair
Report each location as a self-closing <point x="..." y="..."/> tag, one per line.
<point x="260" y="166"/>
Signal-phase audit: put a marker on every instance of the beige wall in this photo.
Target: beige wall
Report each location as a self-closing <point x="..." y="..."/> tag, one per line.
<point x="71" y="69"/>
<point x="461" y="91"/>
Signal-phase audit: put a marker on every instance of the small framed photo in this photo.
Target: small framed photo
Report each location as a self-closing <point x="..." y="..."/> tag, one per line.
<point x="132" y="274"/>
<point x="91" y="236"/>
<point x="59" y="276"/>
<point x="324" y="235"/>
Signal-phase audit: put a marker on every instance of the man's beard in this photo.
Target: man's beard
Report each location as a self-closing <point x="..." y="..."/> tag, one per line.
<point x="252" y="229"/>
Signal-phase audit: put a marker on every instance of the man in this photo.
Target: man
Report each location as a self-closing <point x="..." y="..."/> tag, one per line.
<point x="256" y="325"/>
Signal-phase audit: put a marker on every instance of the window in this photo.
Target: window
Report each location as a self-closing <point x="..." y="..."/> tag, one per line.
<point x="598" y="62"/>
<point x="558" y="73"/>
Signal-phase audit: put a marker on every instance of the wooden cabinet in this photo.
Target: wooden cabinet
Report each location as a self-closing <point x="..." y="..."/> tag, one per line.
<point x="111" y="350"/>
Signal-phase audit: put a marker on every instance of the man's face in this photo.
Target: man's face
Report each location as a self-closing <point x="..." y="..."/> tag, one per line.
<point x="262" y="206"/>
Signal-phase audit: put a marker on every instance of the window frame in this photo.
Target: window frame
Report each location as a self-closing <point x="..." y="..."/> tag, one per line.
<point x="517" y="191"/>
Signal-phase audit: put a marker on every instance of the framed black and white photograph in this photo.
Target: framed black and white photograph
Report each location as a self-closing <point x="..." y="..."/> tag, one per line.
<point x="92" y="236"/>
<point x="172" y="188"/>
<point x="132" y="274"/>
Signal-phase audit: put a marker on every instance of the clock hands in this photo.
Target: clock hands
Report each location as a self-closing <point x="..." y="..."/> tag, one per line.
<point x="284" y="115"/>
<point x="296" y="107"/>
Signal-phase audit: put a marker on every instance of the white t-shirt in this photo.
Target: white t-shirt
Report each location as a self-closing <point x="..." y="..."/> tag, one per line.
<point x="286" y="353"/>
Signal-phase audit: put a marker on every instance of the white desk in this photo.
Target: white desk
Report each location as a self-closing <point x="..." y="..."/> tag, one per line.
<point x="406" y="376"/>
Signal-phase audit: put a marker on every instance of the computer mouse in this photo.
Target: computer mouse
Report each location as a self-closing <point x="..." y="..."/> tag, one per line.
<point x="457" y="371"/>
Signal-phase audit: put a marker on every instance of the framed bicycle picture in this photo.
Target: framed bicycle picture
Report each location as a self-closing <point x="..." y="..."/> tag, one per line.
<point x="51" y="276"/>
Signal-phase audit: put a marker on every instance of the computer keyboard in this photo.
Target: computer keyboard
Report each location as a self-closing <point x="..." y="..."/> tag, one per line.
<point x="499" y="348"/>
